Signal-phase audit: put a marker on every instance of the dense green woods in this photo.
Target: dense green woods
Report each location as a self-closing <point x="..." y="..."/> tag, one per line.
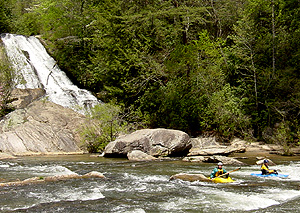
<point x="218" y="67"/>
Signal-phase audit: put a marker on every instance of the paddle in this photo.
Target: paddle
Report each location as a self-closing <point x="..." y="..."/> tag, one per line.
<point x="227" y="173"/>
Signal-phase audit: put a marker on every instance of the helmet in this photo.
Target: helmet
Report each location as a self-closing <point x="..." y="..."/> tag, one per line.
<point x="266" y="161"/>
<point x="220" y="164"/>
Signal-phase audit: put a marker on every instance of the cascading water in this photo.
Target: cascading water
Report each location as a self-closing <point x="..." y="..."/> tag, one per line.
<point x="35" y="68"/>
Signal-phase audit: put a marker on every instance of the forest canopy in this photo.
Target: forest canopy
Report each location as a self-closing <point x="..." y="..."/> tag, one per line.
<point x="210" y="67"/>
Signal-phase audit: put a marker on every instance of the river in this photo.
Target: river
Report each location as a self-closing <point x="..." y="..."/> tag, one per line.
<point x="144" y="187"/>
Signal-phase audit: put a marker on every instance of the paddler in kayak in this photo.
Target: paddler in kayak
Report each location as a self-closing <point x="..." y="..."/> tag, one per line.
<point x="218" y="171"/>
<point x="265" y="169"/>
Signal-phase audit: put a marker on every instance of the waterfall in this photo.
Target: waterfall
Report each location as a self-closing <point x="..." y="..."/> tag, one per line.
<point x="35" y="68"/>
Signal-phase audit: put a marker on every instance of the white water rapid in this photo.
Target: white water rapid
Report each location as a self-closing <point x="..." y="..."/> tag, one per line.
<point x="145" y="187"/>
<point x="35" y="68"/>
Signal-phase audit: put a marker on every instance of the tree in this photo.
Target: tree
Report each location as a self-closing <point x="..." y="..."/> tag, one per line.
<point x="103" y="125"/>
<point x="5" y="16"/>
<point x="7" y="76"/>
<point x="260" y="65"/>
<point x="196" y="92"/>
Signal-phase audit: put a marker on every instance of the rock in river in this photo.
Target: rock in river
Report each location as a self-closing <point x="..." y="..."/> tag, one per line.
<point x="154" y="142"/>
<point x="190" y="177"/>
<point x="35" y="180"/>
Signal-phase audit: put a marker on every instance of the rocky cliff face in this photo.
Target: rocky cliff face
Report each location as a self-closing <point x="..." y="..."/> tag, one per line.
<point x="42" y="127"/>
<point x="37" y="126"/>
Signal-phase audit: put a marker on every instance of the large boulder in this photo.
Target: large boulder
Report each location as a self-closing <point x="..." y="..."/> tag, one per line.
<point x="41" y="128"/>
<point x="154" y="142"/>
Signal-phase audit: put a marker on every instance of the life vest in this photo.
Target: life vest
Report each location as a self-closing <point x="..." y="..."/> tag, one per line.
<point x="219" y="172"/>
<point x="264" y="167"/>
<point x="265" y="170"/>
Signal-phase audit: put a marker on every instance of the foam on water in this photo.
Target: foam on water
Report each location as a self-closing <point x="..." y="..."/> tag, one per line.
<point x="155" y="178"/>
<point x="235" y="201"/>
<point x="141" y="183"/>
<point x="6" y="164"/>
<point x="86" y="163"/>
<point x="72" y="194"/>
<point x="37" y="69"/>
<point x="146" y="178"/>
<point x="292" y="169"/>
<point x="124" y="208"/>
<point x="271" y="196"/>
<point x="64" y="193"/>
<point x="182" y="204"/>
<point x="46" y="170"/>
<point x="206" y="193"/>
<point x="282" y="195"/>
<point x="136" y="211"/>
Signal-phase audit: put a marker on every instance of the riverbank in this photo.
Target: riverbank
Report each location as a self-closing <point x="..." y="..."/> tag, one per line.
<point x="249" y="157"/>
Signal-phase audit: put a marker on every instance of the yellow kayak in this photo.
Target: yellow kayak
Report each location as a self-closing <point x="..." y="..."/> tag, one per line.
<point x="200" y="177"/>
<point x="222" y="180"/>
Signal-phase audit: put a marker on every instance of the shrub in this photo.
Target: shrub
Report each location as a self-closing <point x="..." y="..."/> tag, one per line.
<point x="6" y="84"/>
<point x="104" y="123"/>
<point x="283" y="136"/>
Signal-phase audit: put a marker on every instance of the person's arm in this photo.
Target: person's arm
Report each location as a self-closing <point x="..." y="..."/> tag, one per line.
<point x="212" y="175"/>
<point x="224" y="171"/>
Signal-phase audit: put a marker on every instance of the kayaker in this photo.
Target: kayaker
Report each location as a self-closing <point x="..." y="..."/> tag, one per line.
<point x="265" y="168"/>
<point x="218" y="171"/>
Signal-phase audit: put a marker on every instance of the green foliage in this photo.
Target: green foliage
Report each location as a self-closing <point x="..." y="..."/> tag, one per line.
<point x="194" y="73"/>
<point x="223" y="67"/>
<point x="260" y="62"/>
<point x="27" y="24"/>
<point x="283" y="137"/>
<point x="103" y="125"/>
<point x="23" y="19"/>
<point x="5" y="16"/>
<point x="6" y="84"/>
<point x="228" y="115"/>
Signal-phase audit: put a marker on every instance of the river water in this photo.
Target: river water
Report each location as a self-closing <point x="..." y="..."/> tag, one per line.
<point x="144" y="187"/>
